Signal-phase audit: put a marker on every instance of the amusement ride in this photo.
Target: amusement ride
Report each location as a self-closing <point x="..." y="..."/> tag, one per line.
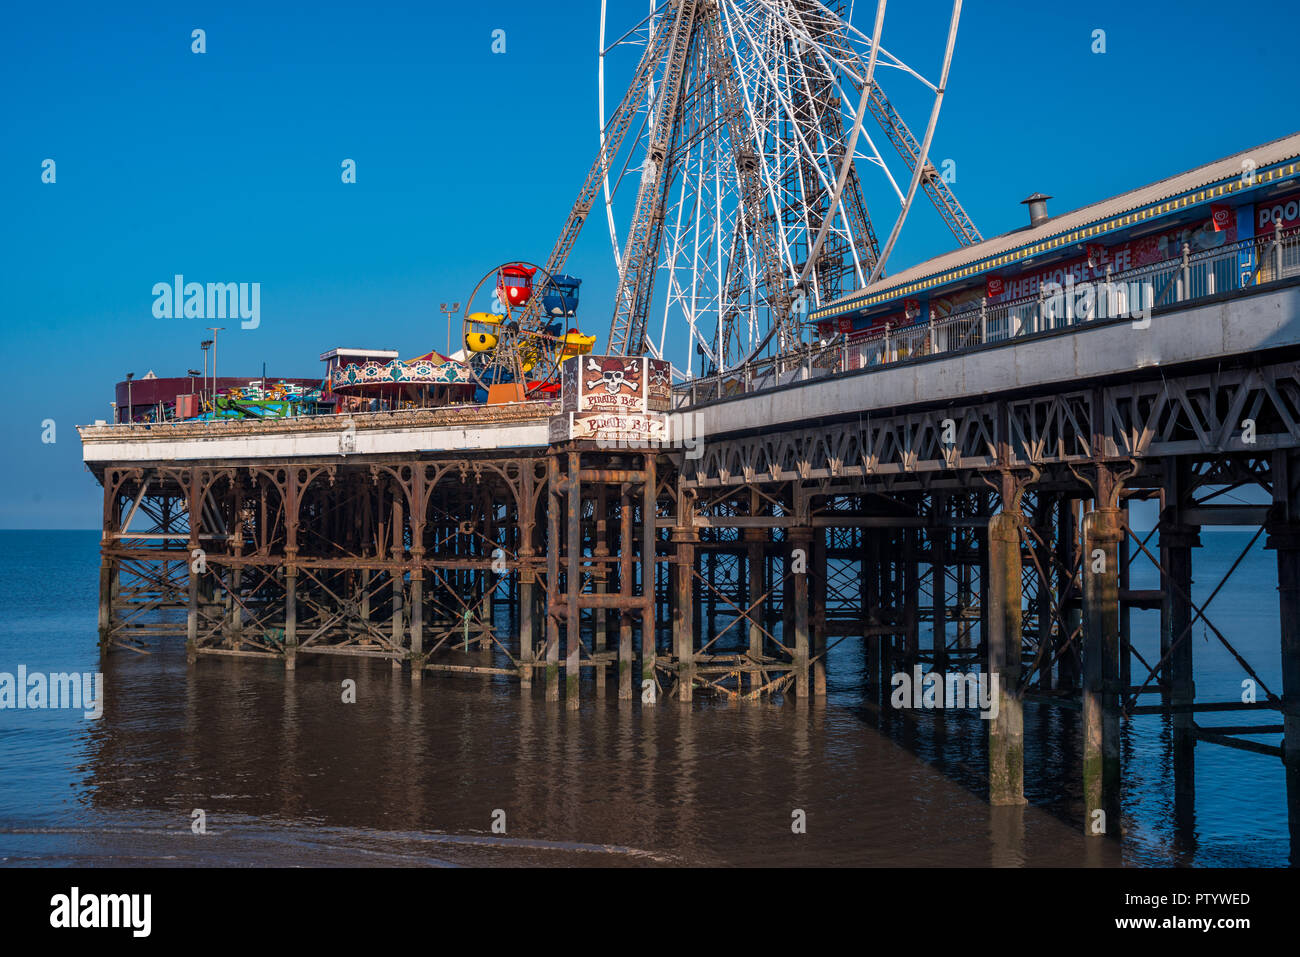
<point x="730" y="176"/>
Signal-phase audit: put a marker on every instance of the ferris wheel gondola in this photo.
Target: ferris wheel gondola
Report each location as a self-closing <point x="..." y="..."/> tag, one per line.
<point x="516" y="329"/>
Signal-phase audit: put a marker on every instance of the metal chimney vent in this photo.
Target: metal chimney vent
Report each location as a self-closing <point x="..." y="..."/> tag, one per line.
<point x="1037" y="208"/>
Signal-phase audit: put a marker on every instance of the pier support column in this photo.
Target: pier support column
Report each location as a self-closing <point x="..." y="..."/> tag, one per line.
<point x="399" y="577"/>
<point x="1007" y="730"/>
<point x="818" y="636"/>
<point x="800" y="547"/>
<point x="939" y="582"/>
<point x="192" y="617"/>
<point x="417" y="606"/>
<point x="1067" y="547"/>
<point x="107" y="566"/>
<point x="105" y="596"/>
<point x="192" y="595"/>
<point x="755" y="556"/>
<point x="1287" y="543"/>
<point x="1125" y="609"/>
<point x="527" y="606"/>
<point x="573" y="587"/>
<point x="290" y="617"/>
<point x="1284" y="538"/>
<point x="626" y="574"/>
<point x="554" y="502"/>
<point x="1044" y="505"/>
<point x="649" y="537"/>
<point x="234" y="610"/>
<point x="1177" y="686"/>
<point x="683" y="613"/>
<point x="872" y="637"/>
<point x="1101" y="700"/>
<point x="600" y="578"/>
<point x="910" y="583"/>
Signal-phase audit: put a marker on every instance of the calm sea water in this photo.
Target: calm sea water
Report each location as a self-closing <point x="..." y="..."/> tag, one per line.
<point x="285" y="773"/>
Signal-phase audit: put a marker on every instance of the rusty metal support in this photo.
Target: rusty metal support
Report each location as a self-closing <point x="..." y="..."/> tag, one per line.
<point x="554" y="500"/>
<point x="1101" y="692"/>
<point x="573" y="583"/>
<point x="626" y="575"/>
<point x="800" y="546"/>
<point x="649" y="538"/>
<point x="1006" y="730"/>
<point x="683" y="612"/>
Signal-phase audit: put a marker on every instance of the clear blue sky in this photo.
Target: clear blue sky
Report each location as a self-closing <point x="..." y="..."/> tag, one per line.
<point x="225" y="167"/>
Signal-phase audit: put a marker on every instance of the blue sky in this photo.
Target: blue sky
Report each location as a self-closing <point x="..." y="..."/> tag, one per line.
<point x="225" y="167"/>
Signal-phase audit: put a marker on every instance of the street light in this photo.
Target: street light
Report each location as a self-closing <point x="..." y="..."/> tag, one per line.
<point x="205" y="345"/>
<point x="215" y="330"/>
<point x="450" y="311"/>
<point x="130" y="417"/>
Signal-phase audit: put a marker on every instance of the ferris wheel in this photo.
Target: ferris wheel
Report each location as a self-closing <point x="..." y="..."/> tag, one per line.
<point x="735" y="139"/>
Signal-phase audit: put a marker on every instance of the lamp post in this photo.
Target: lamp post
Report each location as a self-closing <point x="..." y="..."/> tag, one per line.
<point x="130" y="417"/>
<point x="205" y="345"/>
<point x="450" y="311"/>
<point x="215" y="330"/>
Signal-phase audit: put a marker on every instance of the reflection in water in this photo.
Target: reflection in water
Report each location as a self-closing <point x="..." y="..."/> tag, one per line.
<point x="286" y="773"/>
<point x="414" y="774"/>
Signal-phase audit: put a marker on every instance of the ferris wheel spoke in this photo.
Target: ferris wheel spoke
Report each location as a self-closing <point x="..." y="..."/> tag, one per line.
<point x="767" y="175"/>
<point x="785" y="104"/>
<point x="654" y="12"/>
<point x="804" y="160"/>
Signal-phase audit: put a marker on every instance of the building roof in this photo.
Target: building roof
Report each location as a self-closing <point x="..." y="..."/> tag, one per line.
<point x="1080" y="224"/>
<point x="342" y="353"/>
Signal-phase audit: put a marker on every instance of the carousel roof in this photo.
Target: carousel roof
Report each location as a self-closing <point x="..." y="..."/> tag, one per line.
<point x="428" y="369"/>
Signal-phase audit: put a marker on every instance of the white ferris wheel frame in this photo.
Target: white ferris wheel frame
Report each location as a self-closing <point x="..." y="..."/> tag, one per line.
<point x="838" y="69"/>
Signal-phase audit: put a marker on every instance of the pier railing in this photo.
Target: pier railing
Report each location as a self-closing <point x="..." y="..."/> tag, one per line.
<point x="1132" y="293"/>
<point x="453" y="416"/>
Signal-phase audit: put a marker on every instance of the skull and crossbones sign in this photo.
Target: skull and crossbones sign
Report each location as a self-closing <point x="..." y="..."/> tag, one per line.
<point x="659" y="373"/>
<point x="612" y="373"/>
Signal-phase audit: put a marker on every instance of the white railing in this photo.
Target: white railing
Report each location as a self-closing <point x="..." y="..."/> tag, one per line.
<point x="445" y="415"/>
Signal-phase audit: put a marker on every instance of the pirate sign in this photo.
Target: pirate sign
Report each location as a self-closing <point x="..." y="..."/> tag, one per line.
<point x="612" y="382"/>
<point x="659" y="385"/>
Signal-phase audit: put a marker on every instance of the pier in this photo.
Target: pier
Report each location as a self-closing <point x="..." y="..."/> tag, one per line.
<point x="936" y="468"/>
